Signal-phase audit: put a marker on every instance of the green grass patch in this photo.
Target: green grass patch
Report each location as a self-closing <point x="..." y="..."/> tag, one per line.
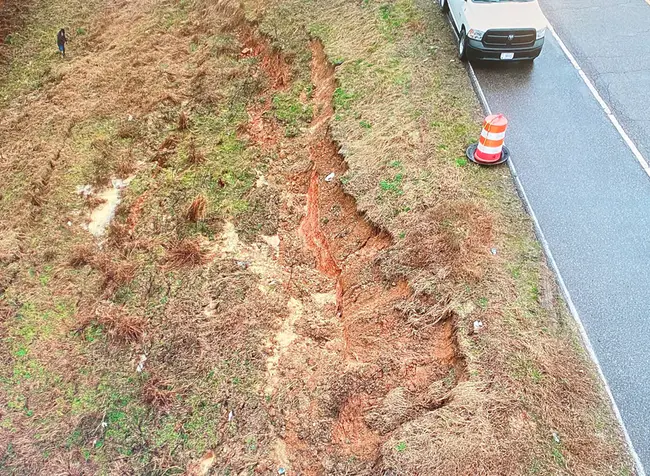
<point x="525" y="369"/>
<point x="291" y="112"/>
<point x="393" y="16"/>
<point x="342" y="99"/>
<point x="393" y="185"/>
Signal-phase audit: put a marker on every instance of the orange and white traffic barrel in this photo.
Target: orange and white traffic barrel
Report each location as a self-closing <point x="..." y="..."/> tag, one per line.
<point x="490" y="149"/>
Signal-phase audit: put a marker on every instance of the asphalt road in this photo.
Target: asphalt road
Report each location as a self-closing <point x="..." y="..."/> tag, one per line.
<point x="588" y="191"/>
<point x="611" y="41"/>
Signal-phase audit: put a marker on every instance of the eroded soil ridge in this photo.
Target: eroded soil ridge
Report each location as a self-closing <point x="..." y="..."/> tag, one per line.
<point x="354" y="371"/>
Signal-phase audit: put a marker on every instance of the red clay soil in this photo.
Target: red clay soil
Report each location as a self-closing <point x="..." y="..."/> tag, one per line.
<point x="349" y="355"/>
<point x="345" y="246"/>
<point x="330" y="211"/>
<point x="271" y="61"/>
<point x="261" y="129"/>
<point x="351" y="432"/>
<point x="311" y="230"/>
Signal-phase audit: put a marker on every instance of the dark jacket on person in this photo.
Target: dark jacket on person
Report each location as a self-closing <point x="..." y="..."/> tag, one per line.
<point x="60" y="38"/>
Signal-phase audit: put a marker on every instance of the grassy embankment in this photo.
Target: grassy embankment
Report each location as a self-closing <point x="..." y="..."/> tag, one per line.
<point x="287" y="321"/>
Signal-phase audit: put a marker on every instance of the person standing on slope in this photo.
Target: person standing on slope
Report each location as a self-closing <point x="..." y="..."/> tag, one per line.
<point x="61" y="40"/>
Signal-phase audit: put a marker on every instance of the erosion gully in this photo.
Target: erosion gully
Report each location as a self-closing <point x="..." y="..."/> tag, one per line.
<point x="343" y="351"/>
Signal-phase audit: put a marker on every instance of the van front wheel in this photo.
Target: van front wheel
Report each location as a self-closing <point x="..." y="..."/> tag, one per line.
<point x="462" y="45"/>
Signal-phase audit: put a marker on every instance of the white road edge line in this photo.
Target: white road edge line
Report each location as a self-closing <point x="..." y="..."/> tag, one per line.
<point x="644" y="164"/>
<point x="565" y="291"/>
<point x="608" y="112"/>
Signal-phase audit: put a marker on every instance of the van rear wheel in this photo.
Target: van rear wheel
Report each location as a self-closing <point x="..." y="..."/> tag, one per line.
<point x="444" y="6"/>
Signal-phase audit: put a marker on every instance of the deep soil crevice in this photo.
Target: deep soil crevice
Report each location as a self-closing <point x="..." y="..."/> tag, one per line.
<point x="339" y="377"/>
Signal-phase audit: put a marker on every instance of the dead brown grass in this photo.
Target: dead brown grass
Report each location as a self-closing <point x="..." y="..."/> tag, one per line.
<point x="439" y="442"/>
<point x="12" y="13"/>
<point x="452" y="240"/>
<point x="118" y="235"/>
<point x="93" y="201"/>
<point x="230" y="13"/>
<point x="126" y="166"/>
<point x="422" y="309"/>
<point x="115" y="273"/>
<point x="82" y="255"/>
<point x="197" y="209"/>
<point x="121" y="326"/>
<point x="6" y="311"/>
<point x="12" y="247"/>
<point x="185" y="253"/>
<point x="102" y="161"/>
<point x="129" y="130"/>
<point x="70" y="463"/>
<point x="166" y="150"/>
<point x="169" y="144"/>
<point x="183" y="121"/>
<point x="158" y="392"/>
<point x="396" y="408"/>
<point x="195" y="156"/>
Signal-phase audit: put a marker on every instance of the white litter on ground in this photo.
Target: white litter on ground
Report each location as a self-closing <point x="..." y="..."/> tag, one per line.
<point x="140" y="367"/>
<point x="84" y="190"/>
<point x="101" y="216"/>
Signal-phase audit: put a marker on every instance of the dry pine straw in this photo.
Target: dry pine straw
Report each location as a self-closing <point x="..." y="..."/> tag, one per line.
<point x="495" y="398"/>
<point x="123" y="299"/>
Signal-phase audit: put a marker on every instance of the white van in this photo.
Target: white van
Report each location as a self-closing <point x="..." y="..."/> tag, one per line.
<point x="501" y="30"/>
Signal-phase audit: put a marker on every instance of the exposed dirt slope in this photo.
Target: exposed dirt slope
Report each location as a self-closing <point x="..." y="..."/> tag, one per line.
<point x="344" y="348"/>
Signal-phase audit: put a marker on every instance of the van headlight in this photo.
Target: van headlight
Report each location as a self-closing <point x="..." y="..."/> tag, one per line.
<point x="541" y="33"/>
<point x="475" y="34"/>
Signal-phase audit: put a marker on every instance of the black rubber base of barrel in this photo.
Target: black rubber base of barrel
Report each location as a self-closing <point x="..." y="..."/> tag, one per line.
<point x="505" y="155"/>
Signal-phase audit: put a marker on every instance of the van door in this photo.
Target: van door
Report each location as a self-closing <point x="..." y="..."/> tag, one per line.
<point x="459" y="13"/>
<point x="453" y="10"/>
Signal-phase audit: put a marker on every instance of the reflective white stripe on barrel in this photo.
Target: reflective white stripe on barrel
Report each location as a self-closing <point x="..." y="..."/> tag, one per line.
<point x="490" y="145"/>
<point x="490" y="150"/>
<point x="493" y="135"/>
